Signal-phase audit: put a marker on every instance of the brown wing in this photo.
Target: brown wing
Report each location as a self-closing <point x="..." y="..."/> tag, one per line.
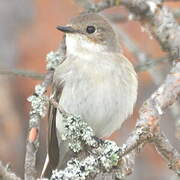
<point x="53" y="148"/>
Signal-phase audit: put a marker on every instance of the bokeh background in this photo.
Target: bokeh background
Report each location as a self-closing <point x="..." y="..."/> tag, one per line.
<point x="27" y="34"/>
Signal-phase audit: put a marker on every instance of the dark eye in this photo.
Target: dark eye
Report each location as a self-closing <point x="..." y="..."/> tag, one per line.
<point x="90" y="29"/>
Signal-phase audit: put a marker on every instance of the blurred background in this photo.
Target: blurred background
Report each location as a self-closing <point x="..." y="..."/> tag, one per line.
<point x="27" y="33"/>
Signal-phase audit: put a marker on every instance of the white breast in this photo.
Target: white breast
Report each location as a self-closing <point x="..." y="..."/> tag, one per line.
<point x="101" y="90"/>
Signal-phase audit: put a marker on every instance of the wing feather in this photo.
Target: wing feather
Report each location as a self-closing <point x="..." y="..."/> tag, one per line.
<point x="52" y="158"/>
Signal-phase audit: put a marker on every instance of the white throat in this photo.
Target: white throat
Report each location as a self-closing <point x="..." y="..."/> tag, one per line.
<point x="80" y="45"/>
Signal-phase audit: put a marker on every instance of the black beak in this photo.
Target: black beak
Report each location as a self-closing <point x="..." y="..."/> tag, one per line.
<point x="66" y="29"/>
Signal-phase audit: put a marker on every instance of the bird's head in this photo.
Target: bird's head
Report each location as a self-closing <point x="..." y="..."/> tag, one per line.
<point x="90" y="32"/>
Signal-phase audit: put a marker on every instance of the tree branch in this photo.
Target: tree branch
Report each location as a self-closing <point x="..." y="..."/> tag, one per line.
<point x="33" y="136"/>
<point x="168" y="152"/>
<point x="152" y="110"/>
<point x="22" y="73"/>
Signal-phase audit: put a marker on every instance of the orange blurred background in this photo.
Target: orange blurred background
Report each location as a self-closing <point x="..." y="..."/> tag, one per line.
<point x="28" y="32"/>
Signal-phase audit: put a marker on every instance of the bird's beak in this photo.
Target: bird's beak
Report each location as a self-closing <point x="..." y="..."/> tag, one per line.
<point x="67" y="29"/>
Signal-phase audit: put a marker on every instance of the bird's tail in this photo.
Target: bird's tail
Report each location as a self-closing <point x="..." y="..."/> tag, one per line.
<point x="65" y="154"/>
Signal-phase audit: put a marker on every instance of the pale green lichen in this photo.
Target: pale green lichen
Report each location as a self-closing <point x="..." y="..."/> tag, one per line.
<point x="40" y="90"/>
<point x="109" y="154"/>
<point x="53" y="60"/>
<point x="77" y="132"/>
<point x="38" y="101"/>
<point x="38" y="105"/>
<point x="76" y="170"/>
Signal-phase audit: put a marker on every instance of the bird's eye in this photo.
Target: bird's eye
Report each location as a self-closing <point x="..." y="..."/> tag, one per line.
<point x="90" y="29"/>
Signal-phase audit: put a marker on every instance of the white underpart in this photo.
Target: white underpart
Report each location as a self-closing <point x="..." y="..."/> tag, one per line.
<point x="99" y="86"/>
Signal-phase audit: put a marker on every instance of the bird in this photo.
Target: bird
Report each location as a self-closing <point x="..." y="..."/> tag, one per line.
<point x="95" y="81"/>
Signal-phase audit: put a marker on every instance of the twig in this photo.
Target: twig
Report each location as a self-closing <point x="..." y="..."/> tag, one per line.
<point x="168" y="152"/>
<point x="86" y="4"/>
<point x="116" y="17"/>
<point x="150" y="63"/>
<point x="153" y="108"/>
<point x="22" y="73"/>
<point x="33" y="137"/>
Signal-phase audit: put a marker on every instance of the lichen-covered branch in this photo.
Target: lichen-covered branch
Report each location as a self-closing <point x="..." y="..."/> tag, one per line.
<point x="38" y="106"/>
<point x="168" y="152"/>
<point x="38" y="110"/>
<point x="150" y="114"/>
